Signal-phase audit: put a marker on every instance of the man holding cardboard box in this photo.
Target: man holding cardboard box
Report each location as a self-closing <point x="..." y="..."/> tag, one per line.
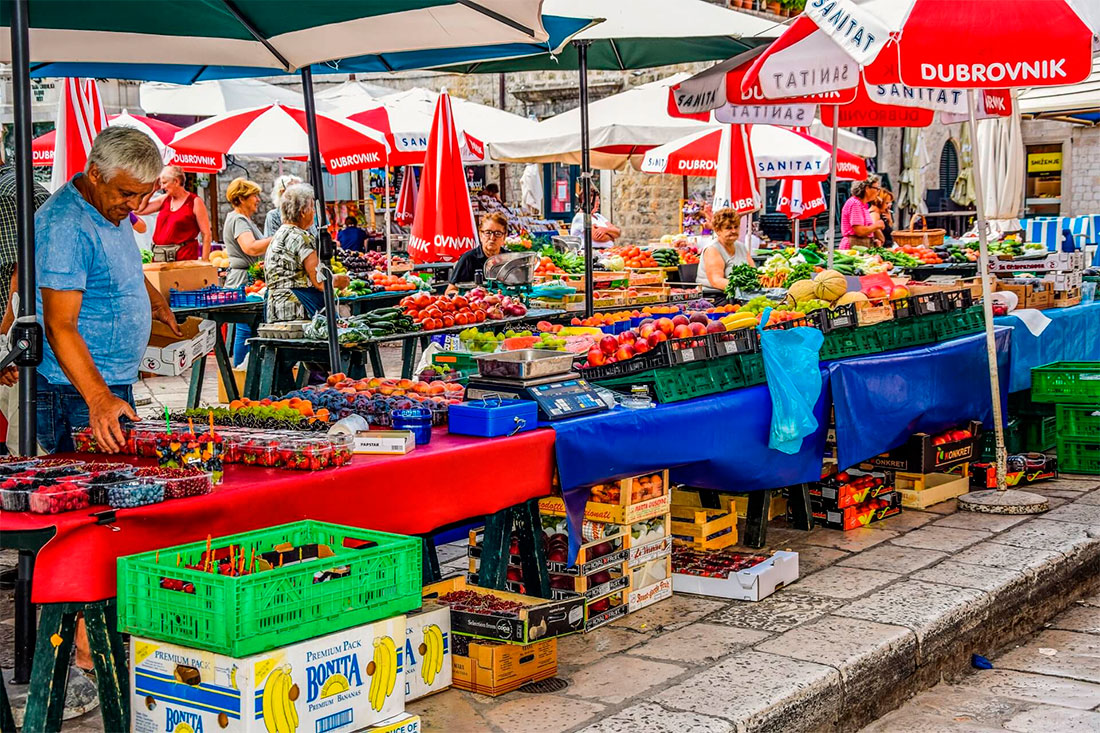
<point x="95" y="303"/>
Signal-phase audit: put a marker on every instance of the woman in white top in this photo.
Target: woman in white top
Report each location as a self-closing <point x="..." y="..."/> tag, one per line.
<point x="722" y="253"/>
<point x="603" y="231"/>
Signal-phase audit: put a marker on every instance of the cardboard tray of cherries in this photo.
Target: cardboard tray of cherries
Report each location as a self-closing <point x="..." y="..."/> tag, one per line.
<point x="728" y="573"/>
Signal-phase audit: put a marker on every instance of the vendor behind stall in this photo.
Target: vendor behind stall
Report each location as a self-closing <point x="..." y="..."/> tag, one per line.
<point x="291" y="260"/>
<point x="494" y="228"/>
<point x="603" y="231"/>
<point x="95" y="302"/>
<point x="724" y="251"/>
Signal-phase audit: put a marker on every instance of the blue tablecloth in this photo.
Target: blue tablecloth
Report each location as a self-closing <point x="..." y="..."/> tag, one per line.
<point x="881" y="400"/>
<point x="1072" y="335"/>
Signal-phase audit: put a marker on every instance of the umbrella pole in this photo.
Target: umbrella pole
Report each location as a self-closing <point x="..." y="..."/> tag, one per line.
<point x="324" y="250"/>
<point x="796" y="223"/>
<point x="586" y="177"/>
<point x="386" y="213"/>
<point x="26" y="327"/>
<point x="832" y="185"/>
<point x="999" y="501"/>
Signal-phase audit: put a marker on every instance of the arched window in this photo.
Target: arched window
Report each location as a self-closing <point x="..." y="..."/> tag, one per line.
<point x="949" y="168"/>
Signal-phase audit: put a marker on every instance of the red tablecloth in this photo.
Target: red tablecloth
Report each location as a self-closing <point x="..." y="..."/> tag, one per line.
<point x="451" y="479"/>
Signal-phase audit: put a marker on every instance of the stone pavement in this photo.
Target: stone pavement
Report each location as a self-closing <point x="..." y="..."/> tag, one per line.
<point x="879" y="614"/>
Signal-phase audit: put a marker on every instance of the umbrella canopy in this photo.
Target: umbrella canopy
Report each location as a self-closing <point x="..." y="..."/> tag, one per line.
<point x="444" y="225"/>
<point x="407" y="130"/>
<point x="275" y="131"/>
<point x="1000" y="152"/>
<point x="405" y="212"/>
<point x="209" y="98"/>
<point x="637" y="34"/>
<point x="161" y="132"/>
<point x="263" y="35"/>
<point x="916" y="159"/>
<point x="801" y="198"/>
<point x="1078" y="103"/>
<point x="777" y="152"/>
<point x="735" y="182"/>
<point x="80" y="117"/>
<point x="962" y="193"/>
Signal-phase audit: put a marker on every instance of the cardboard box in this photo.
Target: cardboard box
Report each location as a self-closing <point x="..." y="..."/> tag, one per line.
<point x="650" y="539"/>
<point x="403" y="723"/>
<point x="169" y="355"/>
<point x="919" y="491"/>
<point x="1037" y="296"/>
<point x="919" y="455"/>
<point x="851" y="487"/>
<point x="751" y="584"/>
<point x="1066" y="298"/>
<point x="539" y="618"/>
<point x="173" y="686"/>
<point x="427" y="660"/>
<point x="384" y="442"/>
<point x="183" y="275"/>
<point x="494" y="668"/>
<point x="649" y="583"/>
<point x="860" y="515"/>
<point x="610" y="513"/>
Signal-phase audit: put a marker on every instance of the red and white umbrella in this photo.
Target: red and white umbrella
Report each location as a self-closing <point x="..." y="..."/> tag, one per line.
<point x="778" y="153"/>
<point x="406" y="199"/>
<point x="275" y="131"/>
<point x="801" y="198"/>
<point x="443" y="227"/>
<point x="161" y="132"/>
<point x="735" y="184"/>
<point x="80" y="117"/>
<point x="407" y="131"/>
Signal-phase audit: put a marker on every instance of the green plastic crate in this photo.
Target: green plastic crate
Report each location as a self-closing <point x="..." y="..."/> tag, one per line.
<point x="670" y="384"/>
<point x="958" y="323"/>
<point x="906" y="333"/>
<point x="1078" y="456"/>
<point x="1070" y="382"/>
<point x="1079" y="421"/>
<point x="752" y="369"/>
<point x="254" y="613"/>
<point x="1020" y="404"/>
<point x="726" y="373"/>
<point x="850" y="342"/>
<point x="1013" y="441"/>
<point x="1039" y="433"/>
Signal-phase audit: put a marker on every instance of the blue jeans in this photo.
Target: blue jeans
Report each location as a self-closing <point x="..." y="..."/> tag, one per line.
<point x="241" y="333"/>
<point x="61" y="410"/>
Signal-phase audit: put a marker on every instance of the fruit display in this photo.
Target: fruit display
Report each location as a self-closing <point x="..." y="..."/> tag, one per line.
<point x="179" y="483"/>
<point x="134" y="492"/>
<point x="434" y="312"/>
<point x="293" y="413"/>
<point x="256" y="287"/>
<point x="480" y="602"/>
<point x="379" y="282"/>
<point x="642" y="488"/>
<point x="634" y="257"/>
<point x="375" y="398"/>
<point x="43" y="495"/>
<point x="667" y="257"/>
<point x="547" y="267"/>
<point x="565" y="262"/>
<point x="951" y="436"/>
<point x="361" y="264"/>
<point x="375" y="324"/>
<point x="219" y="258"/>
<point x="920" y="252"/>
<point x="896" y="257"/>
<point x="713" y="563"/>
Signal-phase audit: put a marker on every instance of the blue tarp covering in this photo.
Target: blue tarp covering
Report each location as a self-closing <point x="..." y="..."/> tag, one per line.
<point x="1072" y="335"/>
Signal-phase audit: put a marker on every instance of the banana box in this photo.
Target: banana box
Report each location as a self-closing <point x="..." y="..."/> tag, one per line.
<point x="339" y="682"/>
<point x="427" y="658"/>
<point x="403" y="723"/>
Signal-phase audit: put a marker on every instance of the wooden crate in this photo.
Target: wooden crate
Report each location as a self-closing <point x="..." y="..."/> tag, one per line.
<point x="703" y="529"/>
<point x="922" y="490"/>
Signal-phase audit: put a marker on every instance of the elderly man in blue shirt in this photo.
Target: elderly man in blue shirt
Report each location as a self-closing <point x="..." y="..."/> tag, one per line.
<point x="94" y="301"/>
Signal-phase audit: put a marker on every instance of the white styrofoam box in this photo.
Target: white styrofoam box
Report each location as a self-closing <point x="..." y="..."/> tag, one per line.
<point x="427" y="659"/>
<point x="169" y="355"/>
<point x="339" y="682"/>
<point x="753" y="584"/>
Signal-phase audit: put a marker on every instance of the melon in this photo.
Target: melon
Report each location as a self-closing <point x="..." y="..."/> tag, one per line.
<point x="830" y="285"/>
<point x="854" y="297"/>
<point x="800" y="291"/>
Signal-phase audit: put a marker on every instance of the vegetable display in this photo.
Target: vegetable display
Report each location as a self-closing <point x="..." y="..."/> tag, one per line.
<point x="742" y="277"/>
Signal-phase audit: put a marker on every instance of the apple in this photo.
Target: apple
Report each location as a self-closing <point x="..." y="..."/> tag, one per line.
<point x="697" y="329"/>
<point x="899" y="291"/>
<point x="715" y="327"/>
<point x="627" y="337"/>
<point x="665" y="326"/>
<point x="641" y="346"/>
<point x="596" y="357"/>
<point x="647" y="322"/>
<point x="599" y="578"/>
<point x="682" y="331"/>
<point x="608" y="344"/>
<point x="875" y="292"/>
<point x="680" y="320"/>
<point x="657" y="337"/>
<point x="625" y="352"/>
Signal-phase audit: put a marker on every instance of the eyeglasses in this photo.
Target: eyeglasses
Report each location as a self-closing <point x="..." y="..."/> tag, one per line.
<point x="494" y="233"/>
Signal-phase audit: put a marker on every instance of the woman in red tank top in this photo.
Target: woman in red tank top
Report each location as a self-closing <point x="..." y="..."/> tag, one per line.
<point x="182" y="219"/>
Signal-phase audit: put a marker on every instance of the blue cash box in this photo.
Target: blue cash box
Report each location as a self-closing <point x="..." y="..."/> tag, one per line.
<point x="490" y="418"/>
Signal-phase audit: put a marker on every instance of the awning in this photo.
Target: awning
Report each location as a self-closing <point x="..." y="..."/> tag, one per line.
<point x="1077" y="103"/>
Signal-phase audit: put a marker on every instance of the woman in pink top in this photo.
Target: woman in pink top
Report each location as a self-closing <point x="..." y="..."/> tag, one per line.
<point x="855" y="218"/>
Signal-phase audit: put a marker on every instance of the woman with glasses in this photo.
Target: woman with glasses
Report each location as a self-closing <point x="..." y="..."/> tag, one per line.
<point x="493" y="230"/>
<point x="856" y="223"/>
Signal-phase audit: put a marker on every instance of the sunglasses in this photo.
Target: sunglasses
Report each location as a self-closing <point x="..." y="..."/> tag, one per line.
<point x="494" y="233"/>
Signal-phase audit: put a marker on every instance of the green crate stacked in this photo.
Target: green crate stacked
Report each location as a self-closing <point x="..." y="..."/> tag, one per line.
<point x="671" y="384"/>
<point x="1038" y="426"/>
<point x="1013" y="441"/>
<point x="957" y="323"/>
<point x="1074" y="388"/>
<point x="850" y="342"/>
<point x="168" y="595"/>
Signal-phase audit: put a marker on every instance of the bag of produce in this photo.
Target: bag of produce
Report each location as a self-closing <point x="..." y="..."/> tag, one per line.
<point x="791" y="364"/>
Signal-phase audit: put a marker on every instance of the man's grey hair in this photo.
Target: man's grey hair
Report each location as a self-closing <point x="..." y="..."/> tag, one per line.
<point x="125" y="149"/>
<point x="280" y="185"/>
<point x="296" y="201"/>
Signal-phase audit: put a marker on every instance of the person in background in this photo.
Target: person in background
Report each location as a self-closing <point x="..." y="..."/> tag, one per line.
<point x="245" y="244"/>
<point x="274" y="220"/>
<point x="855" y="218"/>
<point x="493" y="230"/>
<point x="351" y="237"/>
<point x="9" y="244"/>
<point x="182" y="217"/>
<point x="724" y="251"/>
<point x="492" y="190"/>
<point x="291" y="260"/>
<point x="603" y="231"/>
<point x="882" y="211"/>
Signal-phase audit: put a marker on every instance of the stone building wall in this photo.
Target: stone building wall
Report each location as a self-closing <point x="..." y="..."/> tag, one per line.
<point x="1084" y="174"/>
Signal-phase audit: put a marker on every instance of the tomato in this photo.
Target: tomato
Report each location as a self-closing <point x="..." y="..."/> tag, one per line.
<point x="462" y="319"/>
<point x="448" y="321"/>
<point x="480" y="315"/>
<point x="460" y="302"/>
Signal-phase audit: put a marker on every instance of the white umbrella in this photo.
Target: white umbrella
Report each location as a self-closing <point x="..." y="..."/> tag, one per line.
<point x="1001" y="157"/>
<point x="209" y="98"/>
<point x="916" y="160"/>
<point x="962" y="193"/>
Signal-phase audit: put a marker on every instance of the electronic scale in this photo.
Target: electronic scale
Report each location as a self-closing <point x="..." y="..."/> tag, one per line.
<point x="540" y="375"/>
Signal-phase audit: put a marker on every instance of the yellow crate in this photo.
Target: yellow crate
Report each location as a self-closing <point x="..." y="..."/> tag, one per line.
<point x="703" y="529"/>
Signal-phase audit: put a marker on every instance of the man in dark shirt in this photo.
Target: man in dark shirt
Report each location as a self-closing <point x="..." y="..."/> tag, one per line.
<point x="351" y="237"/>
<point x="494" y="228"/>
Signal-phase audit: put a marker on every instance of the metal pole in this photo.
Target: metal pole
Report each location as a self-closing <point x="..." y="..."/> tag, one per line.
<point x="324" y="249"/>
<point x="386" y="212"/>
<point x="502" y="169"/>
<point x="796" y="227"/>
<point x="586" y="176"/>
<point x="987" y="290"/>
<point x="832" y="185"/>
<point x="26" y="326"/>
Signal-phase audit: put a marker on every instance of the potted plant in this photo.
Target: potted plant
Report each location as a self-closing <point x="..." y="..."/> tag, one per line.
<point x="793" y="7"/>
<point x="775" y="7"/>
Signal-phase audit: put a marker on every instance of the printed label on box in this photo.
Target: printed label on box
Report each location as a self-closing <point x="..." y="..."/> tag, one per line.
<point x="427" y="659"/>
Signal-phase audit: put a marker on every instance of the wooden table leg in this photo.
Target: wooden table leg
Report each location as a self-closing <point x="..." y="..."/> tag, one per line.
<point x="268" y="366"/>
<point x="756" y="519"/>
<point x="252" y="374"/>
<point x="430" y="572"/>
<point x="112" y="676"/>
<point x="198" y="374"/>
<point x="50" y="674"/>
<point x="408" y="357"/>
<point x="221" y="356"/>
<point x="532" y="554"/>
<point x="7" y="720"/>
<point x="798" y="502"/>
<point x="493" y="571"/>
<point x="375" y="356"/>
